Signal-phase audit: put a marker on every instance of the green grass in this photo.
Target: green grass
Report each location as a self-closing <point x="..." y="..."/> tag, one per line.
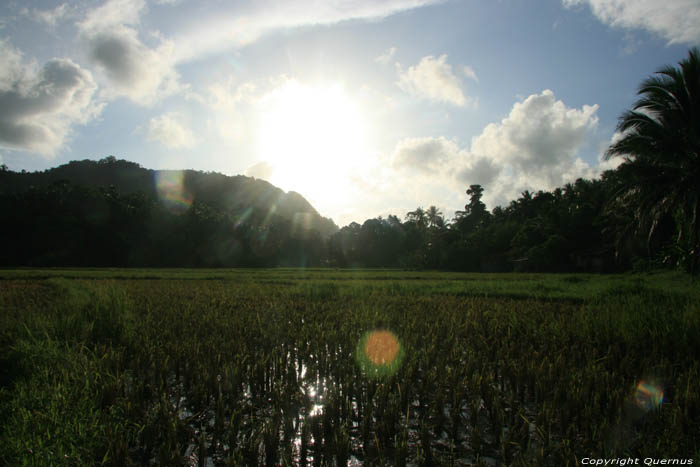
<point x="174" y="367"/>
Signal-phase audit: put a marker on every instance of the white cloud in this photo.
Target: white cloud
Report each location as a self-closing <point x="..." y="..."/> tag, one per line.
<point x="169" y="130"/>
<point x="433" y="79"/>
<point x="233" y="107"/>
<point x="536" y="147"/>
<point x="234" y="30"/>
<point x="261" y="170"/>
<point x="49" y="17"/>
<point x="141" y="73"/>
<point x="13" y="70"/>
<point x="112" y="14"/>
<point x="677" y="21"/>
<point x="537" y="133"/>
<point x="40" y="105"/>
<point x="470" y="73"/>
<point x="228" y="94"/>
<point x="387" y="56"/>
<point x="614" y="162"/>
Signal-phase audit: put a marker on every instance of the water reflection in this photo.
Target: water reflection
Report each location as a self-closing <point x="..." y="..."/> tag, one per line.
<point x="306" y="408"/>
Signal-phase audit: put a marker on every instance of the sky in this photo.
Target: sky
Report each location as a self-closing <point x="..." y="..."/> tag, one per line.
<point x="365" y="108"/>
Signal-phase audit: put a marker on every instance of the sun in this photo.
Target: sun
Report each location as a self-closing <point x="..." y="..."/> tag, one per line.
<point x="314" y="137"/>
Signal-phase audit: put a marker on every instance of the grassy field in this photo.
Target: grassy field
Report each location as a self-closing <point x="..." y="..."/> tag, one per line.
<point x="346" y="367"/>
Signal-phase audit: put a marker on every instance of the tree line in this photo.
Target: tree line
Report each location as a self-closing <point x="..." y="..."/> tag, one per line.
<point x="642" y="214"/>
<point x="64" y="224"/>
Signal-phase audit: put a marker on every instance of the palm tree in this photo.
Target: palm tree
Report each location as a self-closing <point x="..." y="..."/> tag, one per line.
<point x="418" y="216"/>
<point x="435" y="218"/>
<point x="660" y="144"/>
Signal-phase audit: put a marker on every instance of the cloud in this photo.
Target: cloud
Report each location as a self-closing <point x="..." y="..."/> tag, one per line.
<point x="441" y="160"/>
<point x="432" y="79"/>
<point x="535" y="147"/>
<point x="426" y="154"/>
<point x="40" y="105"/>
<point x="233" y="108"/>
<point x="614" y="162"/>
<point x="244" y="26"/>
<point x="141" y="73"/>
<point x="538" y="133"/>
<point x="387" y="56"/>
<point x="261" y="170"/>
<point x="112" y="14"/>
<point x="477" y="170"/>
<point x="170" y="131"/>
<point x="49" y="17"/>
<point x="677" y="21"/>
<point x="470" y="73"/>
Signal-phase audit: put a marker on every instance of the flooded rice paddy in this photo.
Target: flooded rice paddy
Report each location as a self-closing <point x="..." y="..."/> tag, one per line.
<point x="298" y="368"/>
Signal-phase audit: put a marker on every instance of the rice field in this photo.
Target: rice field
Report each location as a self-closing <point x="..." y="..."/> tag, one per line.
<point x="346" y="367"/>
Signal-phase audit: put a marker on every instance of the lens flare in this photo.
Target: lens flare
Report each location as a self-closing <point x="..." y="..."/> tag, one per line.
<point x="648" y="396"/>
<point x="379" y="353"/>
<point x="243" y="217"/>
<point x="171" y="190"/>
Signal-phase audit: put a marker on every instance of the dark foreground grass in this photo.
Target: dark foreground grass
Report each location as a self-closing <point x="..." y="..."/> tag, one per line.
<point x="262" y="367"/>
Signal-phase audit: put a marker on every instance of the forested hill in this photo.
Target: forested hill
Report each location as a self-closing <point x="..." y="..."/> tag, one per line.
<point x="230" y="193"/>
<point x="114" y="212"/>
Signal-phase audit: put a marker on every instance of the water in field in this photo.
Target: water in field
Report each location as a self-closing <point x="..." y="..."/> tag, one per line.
<point x="213" y="373"/>
<point x="299" y="414"/>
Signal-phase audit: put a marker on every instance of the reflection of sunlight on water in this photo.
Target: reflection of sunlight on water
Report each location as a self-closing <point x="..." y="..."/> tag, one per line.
<point x="311" y="388"/>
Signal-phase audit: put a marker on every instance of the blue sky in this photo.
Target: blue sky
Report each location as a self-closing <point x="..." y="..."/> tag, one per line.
<point x="365" y="108"/>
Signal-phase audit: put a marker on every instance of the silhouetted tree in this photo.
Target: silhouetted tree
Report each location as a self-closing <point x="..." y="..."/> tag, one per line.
<point x="434" y="217"/>
<point x="475" y="213"/>
<point x="660" y="144"/>
<point x="418" y="217"/>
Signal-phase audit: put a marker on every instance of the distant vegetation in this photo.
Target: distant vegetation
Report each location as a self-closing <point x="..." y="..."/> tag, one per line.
<point x="642" y="215"/>
<point x="116" y="213"/>
<point x="110" y="213"/>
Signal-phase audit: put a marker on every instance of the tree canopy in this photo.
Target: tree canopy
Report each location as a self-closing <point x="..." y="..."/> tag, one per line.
<point x="659" y="179"/>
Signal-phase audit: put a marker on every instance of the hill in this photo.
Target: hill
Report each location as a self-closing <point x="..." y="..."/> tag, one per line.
<point x="234" y="194"/>
<point x="116" y="213"/>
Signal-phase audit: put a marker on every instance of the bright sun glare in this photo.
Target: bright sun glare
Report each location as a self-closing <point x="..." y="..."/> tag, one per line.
<point x="313" y="137"/>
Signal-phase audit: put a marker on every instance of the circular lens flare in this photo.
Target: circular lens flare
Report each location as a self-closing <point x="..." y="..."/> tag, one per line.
<point x="648" y="396"/>
<point x="381" y="347"/>
<point x="171" y="190"/>
<point x="379" y="353"/>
